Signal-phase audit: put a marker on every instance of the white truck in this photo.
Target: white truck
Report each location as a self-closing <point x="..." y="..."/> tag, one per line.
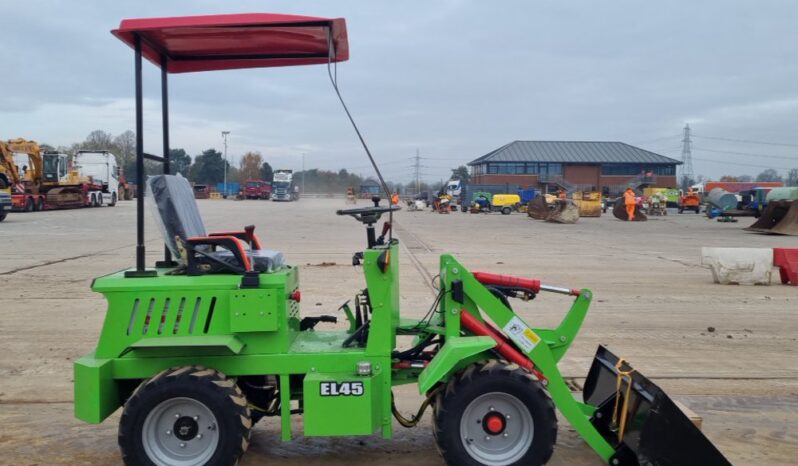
<point x="101" y="167"/>
<point x="283" y="188"/>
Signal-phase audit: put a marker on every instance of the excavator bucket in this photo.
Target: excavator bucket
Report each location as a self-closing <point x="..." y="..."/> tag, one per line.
<point x="640" y="421"/>
<point x="564" y="212"/>
<point x="779" y="217"/>
<point x="619" y="211"/>
<point x="537" y="208"/>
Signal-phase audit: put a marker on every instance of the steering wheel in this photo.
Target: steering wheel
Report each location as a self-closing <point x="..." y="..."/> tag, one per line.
<point x="369" y="215"/>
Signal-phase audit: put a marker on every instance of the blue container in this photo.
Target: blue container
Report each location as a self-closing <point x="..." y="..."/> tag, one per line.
<point x="527" y="195"/>
<point x="232" y="188"/>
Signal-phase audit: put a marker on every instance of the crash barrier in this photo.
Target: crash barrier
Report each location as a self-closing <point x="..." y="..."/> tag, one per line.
<point x="787" y="262"/>
<point x="742" y="266"/>
<point x="619" y="211"/>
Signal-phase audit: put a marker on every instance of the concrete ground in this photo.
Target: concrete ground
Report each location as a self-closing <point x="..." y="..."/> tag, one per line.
<point x="653" y="305"/>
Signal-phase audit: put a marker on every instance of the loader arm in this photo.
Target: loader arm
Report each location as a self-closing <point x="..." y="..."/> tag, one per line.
<point x="543" y="347"/>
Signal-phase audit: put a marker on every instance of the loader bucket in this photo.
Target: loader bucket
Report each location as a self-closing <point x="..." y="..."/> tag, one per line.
<point x="779" y="217"/>
<point x="537" y="208"/>
<point x="619" y="211"/>
<point x="656" y="431"/>
<point x="563" y="212"/>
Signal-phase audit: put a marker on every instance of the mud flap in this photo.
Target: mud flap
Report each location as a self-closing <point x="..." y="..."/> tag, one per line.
<point x="657" y="432"/>
<point x="779" y="217"/>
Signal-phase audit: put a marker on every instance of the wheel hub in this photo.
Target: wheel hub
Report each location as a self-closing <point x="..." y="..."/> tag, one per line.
<point x="185" y="428"/>
<point x="494" y="423"/>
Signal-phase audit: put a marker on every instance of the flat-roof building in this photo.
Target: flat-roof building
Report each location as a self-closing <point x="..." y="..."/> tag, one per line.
<point x="608" y="167"/>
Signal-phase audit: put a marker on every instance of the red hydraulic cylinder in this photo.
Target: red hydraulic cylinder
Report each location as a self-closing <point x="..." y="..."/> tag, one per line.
<point x="503" y="345"/>
<point x="487" y="278"/>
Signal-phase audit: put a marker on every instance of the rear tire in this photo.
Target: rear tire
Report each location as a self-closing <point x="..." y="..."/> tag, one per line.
<point x="187" y="415"/>
<point x="506" y="210"/>
<point x="3" y="216"/>
<point x="39" y="205"/>
<point x="494" y="414"/>
<point x="99" y="200"/>
<point x="29" y="205"/>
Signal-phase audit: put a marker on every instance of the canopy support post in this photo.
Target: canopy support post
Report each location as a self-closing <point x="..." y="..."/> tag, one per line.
<point x="140" y="266"/>
<point x="167" y="261"/>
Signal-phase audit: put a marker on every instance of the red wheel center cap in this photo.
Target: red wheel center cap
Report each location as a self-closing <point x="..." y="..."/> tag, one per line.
<point x="494" y="424"/>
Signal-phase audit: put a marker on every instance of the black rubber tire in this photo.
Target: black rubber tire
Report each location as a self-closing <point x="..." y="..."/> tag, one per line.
<point x="113" y="200"/>
<point x="221" y="395"/>
<point x="681" y="210"/>
<point x="488" y="377"/>
<point x="3" y="216"/>
<point x="506" y="210"/>
<point x="698" y="210"/>
<point x="100" y="200"/>
<point x="39" y="205"/>
<point x="29" y="205"/>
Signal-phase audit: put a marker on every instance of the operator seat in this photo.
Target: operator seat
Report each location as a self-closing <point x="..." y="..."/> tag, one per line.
<point x="177" y="216"/>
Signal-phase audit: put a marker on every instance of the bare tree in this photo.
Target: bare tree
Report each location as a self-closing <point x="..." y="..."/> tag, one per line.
<point x="769" y="175"/>
<point x="250" y="166"/>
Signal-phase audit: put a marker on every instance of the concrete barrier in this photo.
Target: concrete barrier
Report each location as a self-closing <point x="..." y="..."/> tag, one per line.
<point x="743" y="266"/>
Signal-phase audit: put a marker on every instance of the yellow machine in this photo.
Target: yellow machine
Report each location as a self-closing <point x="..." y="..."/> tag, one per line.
<point x="47" y="179"/>
<point x="505" y="203"/>
<point x="588" y="203"/>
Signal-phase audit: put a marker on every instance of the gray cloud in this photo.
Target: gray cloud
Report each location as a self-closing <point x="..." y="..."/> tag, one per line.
<point x="454" y="79"/>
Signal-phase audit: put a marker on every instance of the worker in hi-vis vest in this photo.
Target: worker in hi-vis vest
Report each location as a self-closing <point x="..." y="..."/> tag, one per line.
<point x="630" y="202"/>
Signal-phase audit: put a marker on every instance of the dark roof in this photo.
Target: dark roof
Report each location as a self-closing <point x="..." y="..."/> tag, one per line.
<point x="232" y="41"/>
<point x="572" y="152"/>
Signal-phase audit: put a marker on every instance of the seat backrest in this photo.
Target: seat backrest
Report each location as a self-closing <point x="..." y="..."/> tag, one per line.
<point x="175" y="209"/>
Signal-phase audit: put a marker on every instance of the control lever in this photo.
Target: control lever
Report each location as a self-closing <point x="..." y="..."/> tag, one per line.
<point x="249" y="231"/>
<point x="375" y="200"/>
<point x="386" y="227"/>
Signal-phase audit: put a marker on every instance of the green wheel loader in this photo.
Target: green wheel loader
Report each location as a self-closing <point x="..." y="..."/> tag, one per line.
<point x="211" y="340"/>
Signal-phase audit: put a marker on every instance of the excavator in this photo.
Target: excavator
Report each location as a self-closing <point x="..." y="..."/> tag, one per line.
<point x="47" y="181"/>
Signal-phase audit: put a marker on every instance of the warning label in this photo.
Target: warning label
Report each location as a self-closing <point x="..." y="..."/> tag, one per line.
<point x="521" y="335"/>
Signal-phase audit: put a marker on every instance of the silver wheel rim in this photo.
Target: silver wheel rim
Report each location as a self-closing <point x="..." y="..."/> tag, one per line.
<point x="506" y="446"/>
<point x="180" y="432"/>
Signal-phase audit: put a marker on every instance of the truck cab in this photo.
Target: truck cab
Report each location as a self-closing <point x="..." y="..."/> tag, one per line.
<point x="102" y="169"/>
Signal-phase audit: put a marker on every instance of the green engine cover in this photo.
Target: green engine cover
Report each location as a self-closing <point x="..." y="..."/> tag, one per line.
<point x="341" y="404"/>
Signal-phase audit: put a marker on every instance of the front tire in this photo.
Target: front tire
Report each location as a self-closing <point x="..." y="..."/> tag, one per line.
<point x="506" y="210"/>
<point x="113" y="200"/>
<point x="494" y="414"/>
<point x="189" y="415"/>
<point x="29" y="205"/>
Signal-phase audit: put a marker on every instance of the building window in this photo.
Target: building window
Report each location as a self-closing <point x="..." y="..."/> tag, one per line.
<point x="634" y="169"/>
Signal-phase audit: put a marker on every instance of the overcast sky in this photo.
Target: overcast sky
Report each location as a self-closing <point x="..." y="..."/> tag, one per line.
<point x="453" y="79"/>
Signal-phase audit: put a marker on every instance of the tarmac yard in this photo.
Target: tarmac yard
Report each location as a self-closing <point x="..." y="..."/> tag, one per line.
<point x="730" y="353"/>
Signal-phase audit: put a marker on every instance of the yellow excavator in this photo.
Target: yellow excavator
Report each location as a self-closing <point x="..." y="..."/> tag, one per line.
<point x="46" y="182"/>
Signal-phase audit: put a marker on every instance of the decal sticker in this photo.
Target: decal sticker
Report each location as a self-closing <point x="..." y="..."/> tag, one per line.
<point x="341" y="388"/>
<point x="521" y="335"/>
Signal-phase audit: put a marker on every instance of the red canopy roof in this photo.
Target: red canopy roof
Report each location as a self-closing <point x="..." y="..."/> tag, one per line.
<point x="225" y="42"/>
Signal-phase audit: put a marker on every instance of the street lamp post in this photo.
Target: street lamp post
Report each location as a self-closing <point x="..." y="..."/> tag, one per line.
<point x="303" y="173"/>
<point x="224" y="135"/>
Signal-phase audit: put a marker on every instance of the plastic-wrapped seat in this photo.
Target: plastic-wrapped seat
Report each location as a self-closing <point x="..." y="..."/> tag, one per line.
<point x="184" y="233"/>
